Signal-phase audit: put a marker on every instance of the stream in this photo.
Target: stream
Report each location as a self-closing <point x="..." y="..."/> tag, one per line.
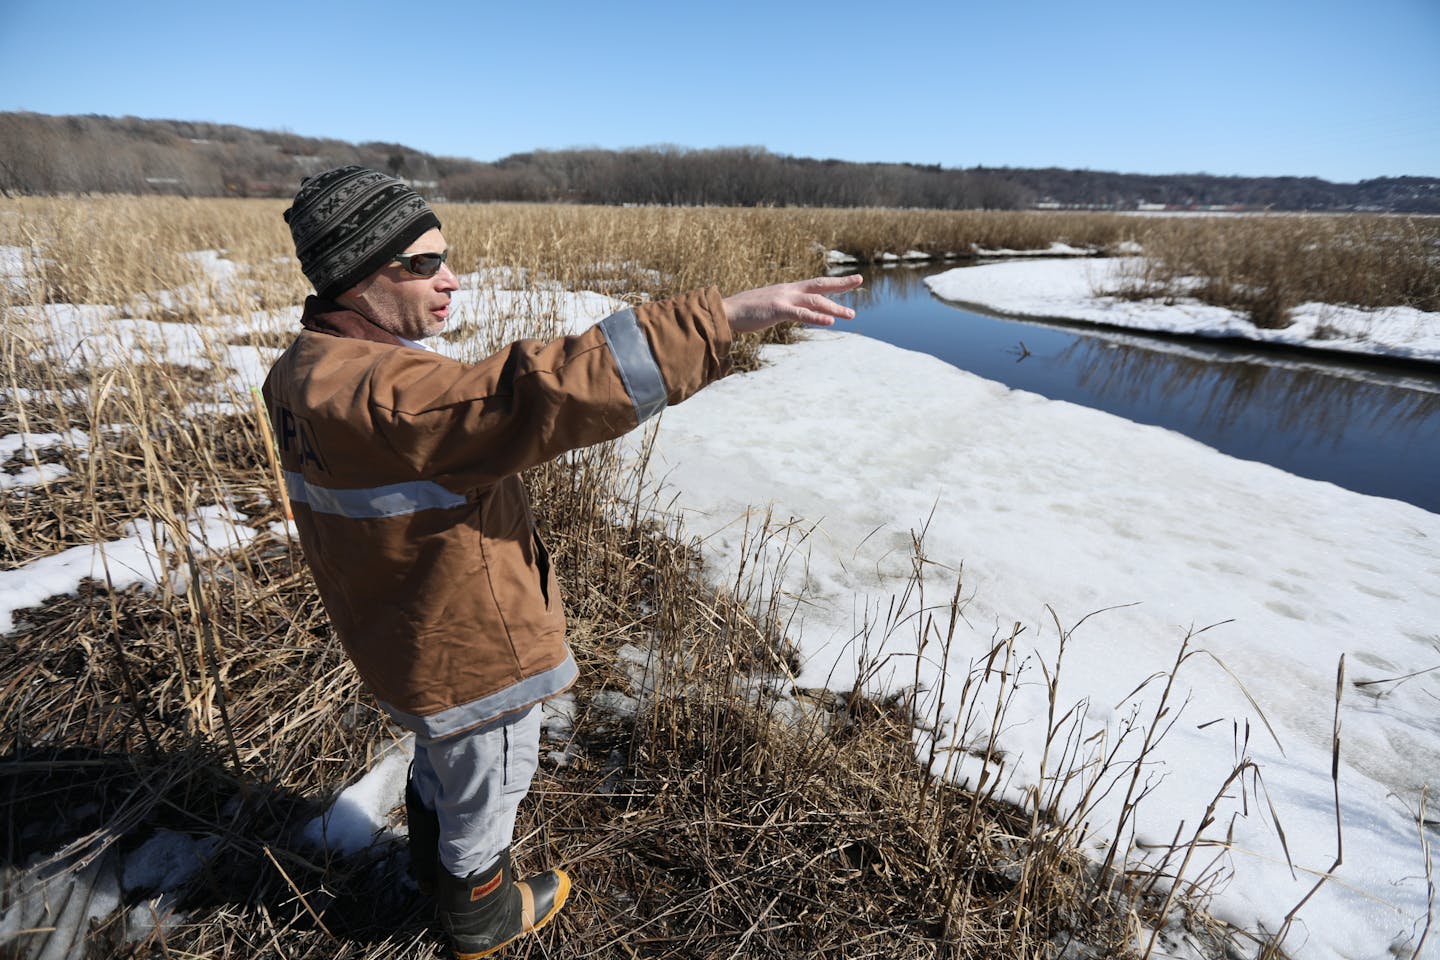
<point x="1365" y="425"/>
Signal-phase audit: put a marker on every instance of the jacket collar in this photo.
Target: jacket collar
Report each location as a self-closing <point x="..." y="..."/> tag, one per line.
<point x="327" y="316"/>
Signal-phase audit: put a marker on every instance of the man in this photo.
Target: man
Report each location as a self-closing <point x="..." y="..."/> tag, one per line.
<point x="403" y="468"/>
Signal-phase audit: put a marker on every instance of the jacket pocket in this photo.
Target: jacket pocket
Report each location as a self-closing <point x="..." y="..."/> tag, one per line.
<point x="542" y="565"/>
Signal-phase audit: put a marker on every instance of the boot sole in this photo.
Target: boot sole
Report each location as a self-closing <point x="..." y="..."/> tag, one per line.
<point x="562" y="893"/>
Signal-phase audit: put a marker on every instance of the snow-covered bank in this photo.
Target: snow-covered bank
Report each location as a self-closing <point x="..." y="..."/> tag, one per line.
<point x="1066" y="289"/>
<point x="839" y="258"/>
<point x="1046" y="503"/>
<point x="1056" y="249"/>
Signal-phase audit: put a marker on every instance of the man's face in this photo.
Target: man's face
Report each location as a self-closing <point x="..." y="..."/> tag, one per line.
<point x="396" y="300"/>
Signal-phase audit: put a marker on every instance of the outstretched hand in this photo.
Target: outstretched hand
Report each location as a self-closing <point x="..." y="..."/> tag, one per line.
<point x="803" y="300"/>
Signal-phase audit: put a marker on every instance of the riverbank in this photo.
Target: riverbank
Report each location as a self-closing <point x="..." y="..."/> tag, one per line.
<point x="1087" y="290"/>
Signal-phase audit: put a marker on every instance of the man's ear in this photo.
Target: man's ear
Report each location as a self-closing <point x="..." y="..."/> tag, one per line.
<point x="351" y="299"/>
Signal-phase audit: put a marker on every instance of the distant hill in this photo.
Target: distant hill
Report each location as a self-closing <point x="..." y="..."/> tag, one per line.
<point x="41" y="154"/>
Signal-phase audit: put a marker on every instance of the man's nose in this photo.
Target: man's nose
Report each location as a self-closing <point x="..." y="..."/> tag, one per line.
<point x="448" y="279"/>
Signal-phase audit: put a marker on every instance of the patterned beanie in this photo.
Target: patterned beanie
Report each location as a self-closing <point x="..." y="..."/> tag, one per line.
<point x="350" y="221"/>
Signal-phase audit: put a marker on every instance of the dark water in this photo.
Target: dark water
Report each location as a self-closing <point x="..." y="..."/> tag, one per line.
<point x="1362" y="425"/>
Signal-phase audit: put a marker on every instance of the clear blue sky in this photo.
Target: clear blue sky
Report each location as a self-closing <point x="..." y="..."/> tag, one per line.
<point x="1343" y="91"/>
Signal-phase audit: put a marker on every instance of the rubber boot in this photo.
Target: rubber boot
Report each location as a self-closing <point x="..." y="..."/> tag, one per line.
<point x="487" y="910"/>
<point x="424" y="840"/>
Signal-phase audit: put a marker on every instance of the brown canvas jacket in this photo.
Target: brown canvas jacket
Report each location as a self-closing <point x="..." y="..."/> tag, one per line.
<point x="403" y="469"/>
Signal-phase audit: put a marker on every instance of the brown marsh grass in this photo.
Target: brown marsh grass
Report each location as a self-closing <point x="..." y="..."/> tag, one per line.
<point x="1265" y="266"/>
<point x="111" y="249"/>
<point x="730" y="814"/>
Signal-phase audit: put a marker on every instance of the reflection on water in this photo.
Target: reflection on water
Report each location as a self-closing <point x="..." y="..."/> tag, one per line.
<point x="1362" y="425"/>
<point x="1305" y="402"/>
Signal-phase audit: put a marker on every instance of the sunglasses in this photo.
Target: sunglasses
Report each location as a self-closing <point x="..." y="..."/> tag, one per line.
<point x="422" y="264"/>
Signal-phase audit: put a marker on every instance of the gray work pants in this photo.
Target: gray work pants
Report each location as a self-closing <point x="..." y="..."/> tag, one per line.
<point x="474" y="782"/>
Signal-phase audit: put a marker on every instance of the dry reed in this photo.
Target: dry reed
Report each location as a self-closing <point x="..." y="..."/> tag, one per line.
<point x="1266" y="266"/>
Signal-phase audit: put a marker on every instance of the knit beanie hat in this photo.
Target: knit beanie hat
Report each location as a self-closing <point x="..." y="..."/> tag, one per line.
<point x="349" y="222"/>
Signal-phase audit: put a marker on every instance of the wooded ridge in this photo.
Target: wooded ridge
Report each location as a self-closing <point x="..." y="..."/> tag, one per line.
<point x="42" y="154"/>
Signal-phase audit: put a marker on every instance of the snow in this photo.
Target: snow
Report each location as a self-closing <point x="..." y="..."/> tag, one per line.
<point x="145" y="556"/>
<point x="166" y="861"/>
<point x="616" y="703"/>
<point x="12" y="261"/>
<point x="356" y="818"/>
<point x="557" y="716"/>
<point x="1056" y="249"/>
<point x="87" y="337"/>
<point x="33" y="476"/>
<point x="27" y="445"/>
<point x="489" y="309"/>
<point x="285" y="530"/>
<point x="161" y="911"/>
<point x="56" y="902"/>
<point x="12" y="270"/>
<point x="886" y="257"/>
<point x="484" y="305"/>
<point x="1045" y="504"/>
<point x="214" y="265"/>
<point x="838" y="257"/>
<point x="1170" y="943"/>
<point x="1067" y="290"/>
<point x="221" y="282"/>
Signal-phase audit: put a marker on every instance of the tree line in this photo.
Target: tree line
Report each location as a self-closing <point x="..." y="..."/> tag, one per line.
<point x="42" y="154"/>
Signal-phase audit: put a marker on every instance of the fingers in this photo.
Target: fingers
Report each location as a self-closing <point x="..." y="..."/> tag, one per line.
<point x="832" y="284"/>
<point x="805" y="301"/>
<point x="815" y="308"/>
<point x="823" y="306"/>
<point x="812" y="319"/>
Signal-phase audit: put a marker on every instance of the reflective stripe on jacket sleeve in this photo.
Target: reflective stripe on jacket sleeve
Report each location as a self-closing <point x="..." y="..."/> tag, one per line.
<point x="638" y="369"/>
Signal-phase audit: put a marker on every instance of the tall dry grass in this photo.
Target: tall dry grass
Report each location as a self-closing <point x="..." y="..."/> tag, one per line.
<point x="1265" y="266"/>
<point x="108" y="249"/>
<point x="726" y="813"/>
